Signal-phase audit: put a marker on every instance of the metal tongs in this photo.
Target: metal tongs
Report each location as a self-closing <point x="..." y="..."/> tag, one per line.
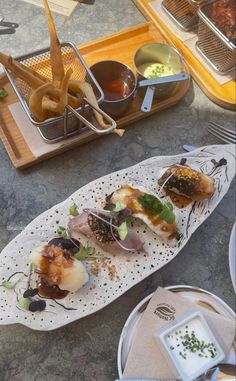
<point x="98" y="131"/>
<point x="7" y="27"/>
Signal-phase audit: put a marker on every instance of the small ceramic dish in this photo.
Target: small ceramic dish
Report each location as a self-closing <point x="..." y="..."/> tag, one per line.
<point x="189" y="346"/>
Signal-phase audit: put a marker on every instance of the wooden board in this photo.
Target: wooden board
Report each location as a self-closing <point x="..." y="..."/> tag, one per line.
<point x="223" y="95"/>
<point x="120" y="46"/>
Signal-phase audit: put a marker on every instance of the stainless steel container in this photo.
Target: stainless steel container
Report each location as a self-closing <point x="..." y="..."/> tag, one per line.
<point x="61" y="127"/>
<point x="159" y="53"/>
<point x="183" y="12"/>
<point x="110" y="71"/>
<point x="212" y="44"/>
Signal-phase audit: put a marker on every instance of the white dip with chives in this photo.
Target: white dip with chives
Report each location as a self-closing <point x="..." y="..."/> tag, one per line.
<point x="191" y="346"/>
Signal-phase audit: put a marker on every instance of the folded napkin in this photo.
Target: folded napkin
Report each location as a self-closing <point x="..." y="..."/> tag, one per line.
<point x="145" y="359"/>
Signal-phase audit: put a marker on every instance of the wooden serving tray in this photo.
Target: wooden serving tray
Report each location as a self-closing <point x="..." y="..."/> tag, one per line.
<point x="119" y="46"/>
<point x="223" y="95"/>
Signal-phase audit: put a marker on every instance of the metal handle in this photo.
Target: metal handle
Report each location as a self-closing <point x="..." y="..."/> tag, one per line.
<point x="98" y="131"/>
<point x="7" y="31"/>
<point x="147" y="101"/>
<point x="8" y="24"/>
<point x="166" y="79"/>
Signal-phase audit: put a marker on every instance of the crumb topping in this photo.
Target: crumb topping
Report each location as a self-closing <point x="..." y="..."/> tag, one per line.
<point x="101" y="229"/>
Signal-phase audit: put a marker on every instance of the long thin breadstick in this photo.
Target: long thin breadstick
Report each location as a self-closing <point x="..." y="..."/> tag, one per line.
<point x="59" y="107"/>
<point x="55" y="50"/>
<point x="35" y="101"/>
<point x="34" y="81"/>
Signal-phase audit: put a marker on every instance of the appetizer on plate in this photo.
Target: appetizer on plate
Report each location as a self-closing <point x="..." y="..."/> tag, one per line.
<point x="111" y="227"/>
<point x="156" y="214"/>
<point x="185" y="181"/>
<point x="59" y="271"/>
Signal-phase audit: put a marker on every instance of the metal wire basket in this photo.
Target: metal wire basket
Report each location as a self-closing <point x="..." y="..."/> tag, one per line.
<point x="61" y="127"/>
<point x="212" y="44"/>
<point x="182" y="12"/>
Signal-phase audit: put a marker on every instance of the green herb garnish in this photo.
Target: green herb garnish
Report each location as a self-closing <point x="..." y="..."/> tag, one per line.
<point x="123" y="231"/>
<point x="3" y="93"/>
<point x="150" y="203"/>
<point x="118" y="207"/>
<point x="63" y="232"/>
<point x="73" y="211"/>
<point x="167" y="213"/>
<point x="163" y="211"/>
<point x="8" y="284"/>
<point x="24" y="303"/>
<point x="84" y="253"/>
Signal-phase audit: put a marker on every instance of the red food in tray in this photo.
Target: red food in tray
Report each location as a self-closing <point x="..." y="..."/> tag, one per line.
<point x="224" y="17"/>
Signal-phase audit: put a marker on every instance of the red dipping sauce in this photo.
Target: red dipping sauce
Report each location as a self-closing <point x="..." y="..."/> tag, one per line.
<point x="115" y="89"/>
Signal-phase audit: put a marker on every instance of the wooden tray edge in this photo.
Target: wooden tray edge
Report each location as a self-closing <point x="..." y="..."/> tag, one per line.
<point x="176" y="96"/>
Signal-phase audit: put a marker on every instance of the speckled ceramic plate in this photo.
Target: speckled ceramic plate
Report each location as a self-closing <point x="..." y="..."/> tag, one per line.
<point x="130" y="268"/>
<point x="202" y="297"/>
<point x="232" y="256"/>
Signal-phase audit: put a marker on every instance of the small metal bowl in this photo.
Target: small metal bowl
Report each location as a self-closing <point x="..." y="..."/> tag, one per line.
<point x="112" y="71"/>
<point x="159" y="53"/>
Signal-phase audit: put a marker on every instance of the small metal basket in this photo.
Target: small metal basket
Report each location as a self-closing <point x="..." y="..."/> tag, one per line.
<point x="182" y="12"/>
<point x="212" y="44"/>
<point x="73" y="121"/>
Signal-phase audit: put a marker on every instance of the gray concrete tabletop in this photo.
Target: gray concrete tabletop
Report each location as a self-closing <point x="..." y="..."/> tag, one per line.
<point x="86" y="350"/>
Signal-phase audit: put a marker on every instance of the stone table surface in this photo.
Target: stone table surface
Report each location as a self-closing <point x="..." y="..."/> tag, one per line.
<point x="86" y="350"/>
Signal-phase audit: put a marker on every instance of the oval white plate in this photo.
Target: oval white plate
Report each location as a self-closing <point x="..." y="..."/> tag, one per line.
<point x="194" y="294"/>
<point x="131" y="269"/>
<point x="232" y="256"/>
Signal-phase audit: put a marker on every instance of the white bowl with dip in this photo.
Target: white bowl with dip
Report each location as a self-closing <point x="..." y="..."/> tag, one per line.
<point x="189" y="346"/>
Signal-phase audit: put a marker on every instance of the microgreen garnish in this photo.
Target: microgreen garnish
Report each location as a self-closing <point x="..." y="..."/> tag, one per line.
<point x="118" y="207"/>
<point x="84" y="253"/>
<point x="123" y="231"/>
<point x="167" y="213"/>
<point x="163" y="211"/>
<point x="63" y="232"/>
<point x="24" y="303"/>
<point x="150" y="203"/>
<point x="124" y="215"/>
<point x="3" y="93"/>
<point x="73" y="211"/>
<point x="8" y="284"/>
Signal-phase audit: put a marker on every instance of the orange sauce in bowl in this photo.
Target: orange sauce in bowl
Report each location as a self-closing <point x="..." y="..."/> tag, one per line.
<point x="114" y="90"/>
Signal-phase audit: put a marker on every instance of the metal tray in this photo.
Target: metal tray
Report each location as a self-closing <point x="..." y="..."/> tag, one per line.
<point x="184" y="14"/>
<point x="212" y="43"/>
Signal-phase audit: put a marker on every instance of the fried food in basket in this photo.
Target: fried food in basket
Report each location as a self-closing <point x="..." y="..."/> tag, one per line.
<point x="33" y="79"/>
<point x="55" y="49"/>
<point x="43" y="107"/>
<point x="50" y="98"/>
